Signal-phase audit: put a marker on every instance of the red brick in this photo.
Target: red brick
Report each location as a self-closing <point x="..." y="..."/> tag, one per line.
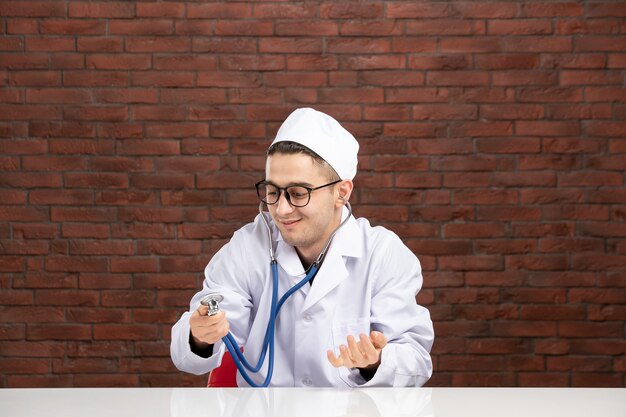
<point x="36" y="78"/>
<point x="403" y="10"/>
<point x="161" y="79"/>
<point x="97" y="44"/>
<point x="104" y="281"/>
<point x="599" y="262"/>
<point x="244" y="28"/>
<point x="23" y="61"/>
<point x="590" y="77"/>
<point x="416" y="95"/>
<point x="181" y="62"/>
<point x="32" y="9"/>
<point x="593" y="379"/>
<point x="581" y="329"/>
<point x="101" y="9"/>
<point x="444" y="112"/>
<point x="500" y="246"/>
<point x="186" y="27"/>
<point x="371" y="28"/>
<point x="355" y="46"/>
<point x="311" y="62"/>
<point x="167" y="9"/>
<point x="139" y="27"/>
<point x="58" y="332"/>
<point x="538" y="44"/>
<point x="605" y="9"/>
<point x="35" y="231"/>
<point x="149" y="147"/>
<point x="457" y="78"/>
<point x="50" y="44"/>
<point x="371" y="62"/>
<point x="24" y="366"/>
<point x="119" y="62"/>
<point x="31" y="180"/>
<point x="586" y="26"/>
<point x="499" y="278"/>
<point x="158" y="44"/>
<point x="134" y="298"/>
<point x="439" y="27"/>
<point x="351" y="11"/>
<point x="552" y="10"/>
<point x="523" y="78"/>
<point x="177" y="130"/>
<point x="95" y="79"/>
<point x="600" y="43"/>
<point x="61" y="197"/>
<point x="284" y="11"/>
<point x="73" y="27"/>
<point x="414" y="45"/>
<point x="223" y="11"/>
<point x="252" y="63"/>
<point x="22" y="26"/>
<point x="607" y="313"/>
<point x="11" y="44"/>
<point x="124" y="332"/>
<point x="573" y="61"/>
<point x="225" y="45"/>
<point x="290" y="45"/>
<point x="519" y="27"/>
<point x="470" y="44"/>
<point x="105" y="380"/>
<point x="29" y="112"/>
<point x="468" y="9"/>
<point x="57" y="95"/>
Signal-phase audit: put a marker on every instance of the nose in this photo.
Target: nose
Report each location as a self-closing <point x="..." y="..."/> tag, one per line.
<point x="282" y="206"/>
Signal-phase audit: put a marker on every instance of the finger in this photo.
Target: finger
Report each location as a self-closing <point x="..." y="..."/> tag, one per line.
<point x="202" y="310"/>
<point x="345" y="357"/>
<point x="355" y="351"/>
<point x="370" y="352"/>
<point x="203" y="320"/>
<point x="334" y="360"/>
<point x="379" y="339"/>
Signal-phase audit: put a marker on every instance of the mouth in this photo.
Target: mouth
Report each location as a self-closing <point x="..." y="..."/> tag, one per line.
<point x="288" y="224"/>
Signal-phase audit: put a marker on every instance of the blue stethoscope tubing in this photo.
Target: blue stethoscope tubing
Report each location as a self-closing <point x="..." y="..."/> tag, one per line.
<point x="243" y="366"/>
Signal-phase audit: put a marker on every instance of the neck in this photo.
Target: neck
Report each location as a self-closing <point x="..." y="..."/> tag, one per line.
<point x="309" y="254"/>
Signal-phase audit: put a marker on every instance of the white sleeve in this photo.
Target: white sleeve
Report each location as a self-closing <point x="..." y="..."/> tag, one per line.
<point x="405" y="361"/>
<point x="226" y="274"/>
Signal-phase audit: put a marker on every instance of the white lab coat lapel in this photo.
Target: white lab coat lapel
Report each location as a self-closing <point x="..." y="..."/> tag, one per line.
<point x="346" y="243"/>
<point x="288" y="259"/>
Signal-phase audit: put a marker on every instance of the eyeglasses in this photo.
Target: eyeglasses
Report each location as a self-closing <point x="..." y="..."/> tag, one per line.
<point x="296" y="195"/>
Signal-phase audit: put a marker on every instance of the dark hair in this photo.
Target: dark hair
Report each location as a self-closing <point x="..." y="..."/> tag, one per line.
<point x="292" y="148"/>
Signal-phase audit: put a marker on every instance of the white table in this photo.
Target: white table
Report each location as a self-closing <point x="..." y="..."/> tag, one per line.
<point x="313" y="402"/>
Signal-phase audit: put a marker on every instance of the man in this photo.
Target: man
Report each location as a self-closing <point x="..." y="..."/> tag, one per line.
<point x="356" y="322"/>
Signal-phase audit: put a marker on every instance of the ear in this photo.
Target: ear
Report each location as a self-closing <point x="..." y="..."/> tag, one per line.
<point x="344" y="191"/>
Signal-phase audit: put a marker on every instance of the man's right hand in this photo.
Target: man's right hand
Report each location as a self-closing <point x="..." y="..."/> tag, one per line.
<point x="207" y="330"/>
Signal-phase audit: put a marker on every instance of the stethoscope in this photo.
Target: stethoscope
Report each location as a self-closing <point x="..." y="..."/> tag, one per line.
<point x="213" y="300"/>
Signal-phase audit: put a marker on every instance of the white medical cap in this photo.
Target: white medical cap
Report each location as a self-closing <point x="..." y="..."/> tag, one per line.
<point x="323" y="135"/>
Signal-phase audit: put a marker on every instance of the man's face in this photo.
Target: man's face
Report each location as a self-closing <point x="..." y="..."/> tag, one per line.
<point x="307" y="228"/>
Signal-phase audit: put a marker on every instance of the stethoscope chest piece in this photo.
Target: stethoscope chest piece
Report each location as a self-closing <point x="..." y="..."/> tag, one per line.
<point x="213" y="302"/>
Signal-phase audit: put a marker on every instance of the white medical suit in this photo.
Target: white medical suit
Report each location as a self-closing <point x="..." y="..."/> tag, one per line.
<point x="368" y="281"/>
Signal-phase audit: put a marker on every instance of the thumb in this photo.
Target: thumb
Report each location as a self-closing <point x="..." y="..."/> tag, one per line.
<point x="202" y="310"/>
<point x="379" y="340"/>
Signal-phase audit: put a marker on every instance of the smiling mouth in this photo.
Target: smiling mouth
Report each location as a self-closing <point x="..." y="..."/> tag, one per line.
<point x="288" y="223"/>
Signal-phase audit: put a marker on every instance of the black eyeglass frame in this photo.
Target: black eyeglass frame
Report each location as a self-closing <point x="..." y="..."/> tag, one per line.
<point x="280" y="191"/>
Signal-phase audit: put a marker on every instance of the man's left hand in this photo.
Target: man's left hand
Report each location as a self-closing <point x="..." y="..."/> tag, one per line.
<point x="362" y="354"/>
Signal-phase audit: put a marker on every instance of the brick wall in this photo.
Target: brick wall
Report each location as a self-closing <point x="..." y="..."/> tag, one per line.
<point x="493" y="139"/>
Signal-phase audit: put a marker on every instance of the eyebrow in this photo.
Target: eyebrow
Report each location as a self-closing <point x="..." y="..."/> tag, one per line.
<point x="303" y="184"/>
